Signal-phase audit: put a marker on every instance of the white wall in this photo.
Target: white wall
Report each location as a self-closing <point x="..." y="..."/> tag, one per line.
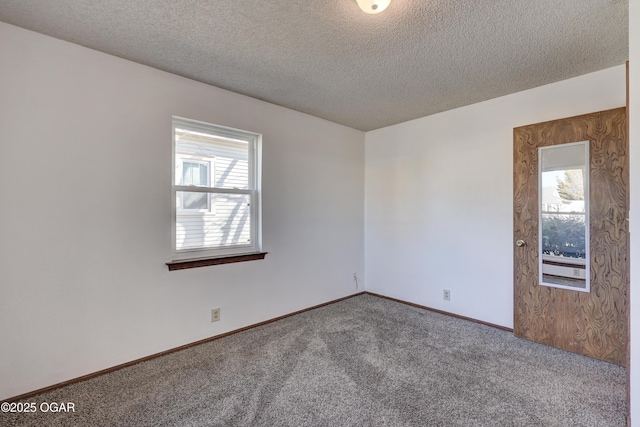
<point x="634" y="122"/>
<point x="85" y="175"/>
<point x="439" y="190"/>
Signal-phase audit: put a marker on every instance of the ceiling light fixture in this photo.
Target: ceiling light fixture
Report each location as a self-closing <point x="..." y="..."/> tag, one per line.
<point x="373" y="6"/>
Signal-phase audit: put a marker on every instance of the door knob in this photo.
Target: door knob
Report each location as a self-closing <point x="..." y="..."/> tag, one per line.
<point x="520" y="243"/>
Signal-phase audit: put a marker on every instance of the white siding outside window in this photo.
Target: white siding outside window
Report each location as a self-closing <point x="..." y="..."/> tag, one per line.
<point x="216" y="189"/>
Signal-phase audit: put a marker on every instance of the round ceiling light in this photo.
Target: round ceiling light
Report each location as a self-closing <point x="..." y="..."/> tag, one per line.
<point x="373" y="6"/>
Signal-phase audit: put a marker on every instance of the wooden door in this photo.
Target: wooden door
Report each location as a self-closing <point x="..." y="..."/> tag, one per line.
<point x="590" y="323"/>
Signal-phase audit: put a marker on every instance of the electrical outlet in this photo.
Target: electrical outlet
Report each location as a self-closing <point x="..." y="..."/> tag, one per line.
<point x="215" y="314"/>
<point x="446" y="294"/>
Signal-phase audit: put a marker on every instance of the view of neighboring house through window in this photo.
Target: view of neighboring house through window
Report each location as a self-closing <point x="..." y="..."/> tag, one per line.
<point x="195" y="173"/>
<point x="216" y="188"/>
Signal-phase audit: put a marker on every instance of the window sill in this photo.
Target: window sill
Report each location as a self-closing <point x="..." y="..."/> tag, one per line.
<point x="205" y="262"/>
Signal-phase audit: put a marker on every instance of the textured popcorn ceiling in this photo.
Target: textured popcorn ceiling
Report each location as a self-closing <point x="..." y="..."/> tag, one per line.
<point x="329" y="59"/>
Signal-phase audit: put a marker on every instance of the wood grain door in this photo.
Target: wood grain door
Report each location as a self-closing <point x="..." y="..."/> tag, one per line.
<point x="591" y="323"/>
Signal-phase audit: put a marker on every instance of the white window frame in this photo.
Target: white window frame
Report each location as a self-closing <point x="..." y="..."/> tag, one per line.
<point x="254" y="141"/>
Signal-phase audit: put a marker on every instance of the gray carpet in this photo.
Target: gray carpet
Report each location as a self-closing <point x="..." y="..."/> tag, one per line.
<point x="364" y="361"/>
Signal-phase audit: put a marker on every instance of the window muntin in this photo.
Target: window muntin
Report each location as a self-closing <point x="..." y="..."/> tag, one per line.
<point x="216" y="188"/>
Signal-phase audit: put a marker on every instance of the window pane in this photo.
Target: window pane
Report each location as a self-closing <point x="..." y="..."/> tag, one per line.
<point x="195" y="174"/>
<point x="231" y="157"/>
<point x="229" y="226"/>
<point x="203" y="175"/>
<point x="192" y="201"/>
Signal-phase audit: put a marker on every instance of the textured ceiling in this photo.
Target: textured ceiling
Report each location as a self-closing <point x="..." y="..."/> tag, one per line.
<point x="329" y="59"/>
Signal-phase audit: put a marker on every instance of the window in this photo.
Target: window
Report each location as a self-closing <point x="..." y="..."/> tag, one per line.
<point x="216" y="177"/>
<point x="195" y="172"/>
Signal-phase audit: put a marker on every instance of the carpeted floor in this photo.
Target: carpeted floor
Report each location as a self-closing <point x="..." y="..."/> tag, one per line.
<point x="364" y="361"/>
